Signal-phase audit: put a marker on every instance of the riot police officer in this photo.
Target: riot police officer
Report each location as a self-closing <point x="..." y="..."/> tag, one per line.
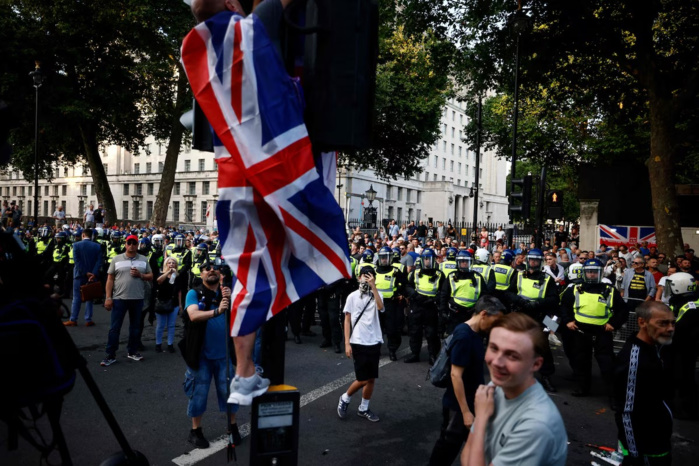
<point x="390" y="283"/>
<point x="60" y="256"/>
<point x="592" y="310"/>
<point x="367" y="259"/>
<point x="460" y="292"/>
<point x="537" y="297"/>
<point x="684" y="302"/>
<point x="449" y="265"/>
<point x="201" y="257"/>
<point x="423" y="290"/>
<point x="116" y="247"/>
<point x="504" y="273"/>
<point x="482" y="266"/>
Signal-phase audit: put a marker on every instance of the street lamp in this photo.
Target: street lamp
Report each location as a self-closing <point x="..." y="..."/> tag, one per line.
<point x="189" y="207"/>
<point x="38" y="79"/>
<point x="371" y="196"/>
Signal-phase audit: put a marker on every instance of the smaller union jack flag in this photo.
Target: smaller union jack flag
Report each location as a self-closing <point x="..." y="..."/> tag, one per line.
<point x="613" y="235"/>
<point x="282" y="230"/>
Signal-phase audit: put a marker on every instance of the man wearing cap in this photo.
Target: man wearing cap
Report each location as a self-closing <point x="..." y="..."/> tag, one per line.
<point x="125" y="292"/>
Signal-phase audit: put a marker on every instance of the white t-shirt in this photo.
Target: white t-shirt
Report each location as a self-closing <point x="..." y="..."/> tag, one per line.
<point x="89" y="215"/>
<point x="499" y="234"/>
<point x="368" y="330"/>
<point x="664" y="298"/>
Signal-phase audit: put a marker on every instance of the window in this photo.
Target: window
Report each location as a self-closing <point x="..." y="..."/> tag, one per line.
<point x="106" y="168"/>
<point x="14" y="190"/>
<point x="459" y="172"/>
<point x="461" y="134"/>
<point x="203" y="211"/>
<point x="189" y="212"/>
<point x="399" y="217"/>
<point x="444" y="128"/>
<point x="192" y="187"/>
<point x="86" y="170"/>
<point x="46" y="208"/>
<point x="187" y="165"/>
<point x="453" y="115"/>
<point x="427" y="176"/>
<point x="205" y="187"/>
<point x="480" y="174"/>
<point x="460" y="151"/>
<point x="21" y="190"/>
<point x="149" y="210"/>
<point x="176" y="211"/>
<point x="452" y="149"/>
<point x="136" y="168"/>
<point x="149" y="167"/>
<point x="63" y="204"/>
<point x="390" y="211"/>
<point x="125" y="210"/>
<point x="436" y="160"/>
<point x="150" y="191"/>
<point x="46" y="190"/>
<point x="83" y="190"/>
<point x="444" y="163"/>
<point x="444" y="178"/>
<point x="400" y="194"/>
<point x="458" y="182"/>
<point x="136" y="211"/>
<point x="451" y="166"/>
<point x="434" y="177"/>
<point x="461" y="119"/>
<point x="444" y="146"/>
<point x="126" y="193"/>
<point x="92" y="190"/>
<point x="30" y="190"/>
<point x="160" y="167"/>
<point x="177" y="189"/>
<point x="139" y="189"/>
<point x="452" y="131"/>
<point x="64" y="190"/>
<point x="407" y="195"/>
<point x="418" y="196"/>
<point x="201" y="165"/>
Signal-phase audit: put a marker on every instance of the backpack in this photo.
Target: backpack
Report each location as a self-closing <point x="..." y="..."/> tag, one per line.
<point x="440" y="372"/>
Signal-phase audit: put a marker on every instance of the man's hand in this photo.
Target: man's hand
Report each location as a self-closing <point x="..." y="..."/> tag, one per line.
<point x="108" y="304"/>
<point x="135" y="273"/>
<point x="468" y="419"/>
<point x="226" y="292"/>
<point x="348" y="350"/>
<point x="484" y="403"/>
<point x="608" y="328"/>
<point x="90" y="277"/>
<point x="571" y="325"/>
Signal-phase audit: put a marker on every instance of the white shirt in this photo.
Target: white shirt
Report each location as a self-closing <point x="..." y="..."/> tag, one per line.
<point x="664" y="297"/>
<point x="499" y="234"/>
<point x="367" y="331"/>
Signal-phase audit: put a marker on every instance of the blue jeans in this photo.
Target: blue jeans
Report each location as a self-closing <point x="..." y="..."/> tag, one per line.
<point x="166" y="321"/>
<point x="197" y="383"/>
<point x="119" y="310"/>
<point x="75" y="309"/>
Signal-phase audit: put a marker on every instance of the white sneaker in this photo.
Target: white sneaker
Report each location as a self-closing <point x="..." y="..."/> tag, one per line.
<point x="243" y="390"/>
<point x="553" y="340"/>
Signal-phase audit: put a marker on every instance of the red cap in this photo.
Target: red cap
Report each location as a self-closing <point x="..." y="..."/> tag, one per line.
<point x="132" y="237"/>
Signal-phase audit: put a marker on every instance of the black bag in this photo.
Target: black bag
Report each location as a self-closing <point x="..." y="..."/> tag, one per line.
<point x="440" y="372"/>
<point x="164" y="306"/>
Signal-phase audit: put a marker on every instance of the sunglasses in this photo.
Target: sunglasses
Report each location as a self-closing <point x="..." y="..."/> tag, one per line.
<point x="638" y="263"/>
<point x="208" y="268"/>
<point x="131" y="242"/>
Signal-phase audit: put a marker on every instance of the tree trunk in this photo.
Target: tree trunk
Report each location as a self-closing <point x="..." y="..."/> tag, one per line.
<point x="167" y="179"/>
<point x="99" y="177"/>
<point x="661" y="163"/>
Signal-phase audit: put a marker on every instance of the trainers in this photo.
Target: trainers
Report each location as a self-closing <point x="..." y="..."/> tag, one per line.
<point x="89" y="324"/>
<point x="135" y="356"/>
<point x="159" y="348"/>
<point x="342" y="408"/>
<point x="108" y="361"/>
<point x="368" y="414"/>
<point x="196" y="438"/>
<point x="70" y="323"/>
<point x="243" y="389"/>
<point x="170" y="349"/>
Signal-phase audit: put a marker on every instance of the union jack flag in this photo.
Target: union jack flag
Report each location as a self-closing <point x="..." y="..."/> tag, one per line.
<point x="282" y="230"/>
<point x="612" y="235"/>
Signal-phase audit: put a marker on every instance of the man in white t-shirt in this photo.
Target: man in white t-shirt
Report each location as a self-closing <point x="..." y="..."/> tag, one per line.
<point x="499" y="234"/>
<point x="59" y="216"/>
<point x="89" y="217"/>
<point x="363" y="341"/>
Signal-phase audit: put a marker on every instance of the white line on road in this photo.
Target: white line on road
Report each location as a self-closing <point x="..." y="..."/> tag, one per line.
<point x="199" y="454"/>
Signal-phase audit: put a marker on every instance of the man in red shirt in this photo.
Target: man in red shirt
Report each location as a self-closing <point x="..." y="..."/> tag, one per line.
<point x="653" y="268"/>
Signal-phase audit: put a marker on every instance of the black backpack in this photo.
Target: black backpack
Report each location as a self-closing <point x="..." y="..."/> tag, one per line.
<point x="440" y="372"/>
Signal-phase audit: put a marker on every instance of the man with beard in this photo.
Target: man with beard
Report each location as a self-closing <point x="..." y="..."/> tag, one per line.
<point x="644" y="423"/>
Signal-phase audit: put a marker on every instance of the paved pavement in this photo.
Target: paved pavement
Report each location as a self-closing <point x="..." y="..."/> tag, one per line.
<point x="150" y="406"/>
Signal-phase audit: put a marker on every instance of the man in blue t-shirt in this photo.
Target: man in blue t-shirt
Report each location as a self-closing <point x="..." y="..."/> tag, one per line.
<point x="467" y="354"/>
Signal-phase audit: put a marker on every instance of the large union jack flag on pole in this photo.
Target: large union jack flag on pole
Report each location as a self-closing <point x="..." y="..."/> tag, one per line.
<point x="282" y="230"/>
<point x="614" y="235"/>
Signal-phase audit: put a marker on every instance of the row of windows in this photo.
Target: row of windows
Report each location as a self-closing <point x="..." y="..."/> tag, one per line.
<point x="399" y="194"/>
<point x="190" y="213"/>
<point x="84" y="170"/>
<point x="190" y="187"/>
<point x="453" y="131"/>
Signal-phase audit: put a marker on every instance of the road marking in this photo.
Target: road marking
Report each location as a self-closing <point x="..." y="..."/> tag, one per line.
<point x="199" y="454"/>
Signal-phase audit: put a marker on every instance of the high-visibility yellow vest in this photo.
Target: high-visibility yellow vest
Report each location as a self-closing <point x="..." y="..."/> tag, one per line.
<point x="531" y="289"/>
<point x="427" y="285"/>
<point x="363" y="264"/>
<point x="386" y="283"/>
<point x="113" y="252"/>
<point x="593" y="308"/>
<point x="447" y="268"/>
<point x="41" y="246"/>
<point x="59" y="253"/>
<point x="196" y="269"/>
<point x="353" y="266"/>
<point x="503" y="275"/>
<point x="71" y="259"/>
<point x="398" y="266"/>
<point x="179" y="255"/>
<point x="683" y="310"/>
<point x="464" y="292"/>
<point x="483" y="269"/>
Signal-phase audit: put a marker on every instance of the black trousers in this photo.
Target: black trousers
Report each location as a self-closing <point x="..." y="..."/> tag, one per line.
<point x="394" y="318"/>
<point x="547" y="367"/>
<point x="602" y="343"/>
<point x="330" y="314"/>
<point x="302" y="314"/>
<point x="423" y="319"/>
<point x="452" y="437"/>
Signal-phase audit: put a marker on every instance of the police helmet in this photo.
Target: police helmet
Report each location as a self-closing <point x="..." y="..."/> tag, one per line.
<point x="428" y="259"/>
<point x="592" y="271"/>
<point x="144" y="244"/>
<point x="116" y="236"/>
<point x="396" y="255"/>
<point x="368" y="256"/>
<point x="451" y="254"/>
<point x="61" y="237"/>
<point x="385" y="254"/>
<point x="534" y="260"/>
<point x="157" y="241"/>
<point x="507" y="257"/>
<point x="179" y="240"/>
<point x="481" y="256"/>
<point x="43" y="232"/>
<point x="202" y="250"/>
<point x="680" y="283"/>
<point x="463" y="261"/>
<point x="575" y="273"/>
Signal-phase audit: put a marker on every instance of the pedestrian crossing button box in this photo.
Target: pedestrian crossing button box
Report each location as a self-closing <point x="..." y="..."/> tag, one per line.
<point x="274" y="437"/>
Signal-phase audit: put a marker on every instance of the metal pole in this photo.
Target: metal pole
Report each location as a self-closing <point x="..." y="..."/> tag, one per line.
<point x="540" y="209"/>
<point x="36" y="155"/>
<point x="513" y="171"/>
<point x="479" y="120"/>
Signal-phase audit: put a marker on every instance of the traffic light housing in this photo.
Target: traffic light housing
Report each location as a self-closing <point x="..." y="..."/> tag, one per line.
<point x="523" y="197"/>
<point x="554" y="201"/>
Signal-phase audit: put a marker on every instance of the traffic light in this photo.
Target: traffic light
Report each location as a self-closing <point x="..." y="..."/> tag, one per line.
<point x="524" y="195"/>
<point x="554" y="201"/>
<point x="195" y="121"/>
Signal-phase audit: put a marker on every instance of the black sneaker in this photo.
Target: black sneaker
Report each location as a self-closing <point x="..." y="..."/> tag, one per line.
<point x="412" y="358"/>
<point x="158" y="348"/>
<point x="368" y="415"/>
<point x="325" y="344"/>
<point x="392" y="356"/>
<point x="308" y="333"/>
<point x="196" y="438"/>
<point x="342" y="408"/>
<point x="108" y="361"/>
<point x="135" y="356"/>
<point x="170" y="349"/>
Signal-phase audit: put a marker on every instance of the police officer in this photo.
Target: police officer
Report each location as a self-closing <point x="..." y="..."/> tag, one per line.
<point x="460" y="292"/>
<point x="183" y="256"/>
<point x="201" y="257"/>
<point x="367" y="259"/>
<point x="60" y="251"/>
<point x="115" y="247"/>
<point x="390" y="283"/>
<point x="423" y="291"/>
<point x="42" y="243"/>
<point x="537" y="297"/>
<point x="684" y="302"/>
<point x="592" y="310"/>
<point x="449" y="265"/>
<point x="504" y="273"/>
<point x="483" y="267"/>
<point x="395" y="261"/>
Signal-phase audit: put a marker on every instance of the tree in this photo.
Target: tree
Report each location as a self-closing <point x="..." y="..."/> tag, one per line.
<point x="618" y="55"/>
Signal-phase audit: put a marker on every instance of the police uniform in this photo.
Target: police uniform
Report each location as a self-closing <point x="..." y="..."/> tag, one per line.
<point x="423" y="289"/>
<point x="591" y="306"/>
<point x="458" y="295"/>
<point x="685" y="351"/>
<point x="390" y="283"/>
<point x="486" y="271"/>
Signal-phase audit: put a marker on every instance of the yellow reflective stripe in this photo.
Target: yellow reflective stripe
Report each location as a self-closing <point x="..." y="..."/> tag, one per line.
<point x="685" y="308"/>
<point x="591" y="301"/>
<point x="428" y="288"/>
<point x="503" y="275"/>
<point x="388" y="289"/>
<point x="464" y="285"/>
<point x="529" y="292"/>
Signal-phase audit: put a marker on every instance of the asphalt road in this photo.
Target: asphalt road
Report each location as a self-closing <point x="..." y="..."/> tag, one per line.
<point x="149" y="404"/>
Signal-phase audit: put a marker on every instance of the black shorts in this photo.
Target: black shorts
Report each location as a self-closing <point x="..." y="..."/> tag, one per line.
<point x="366" y="361"/>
